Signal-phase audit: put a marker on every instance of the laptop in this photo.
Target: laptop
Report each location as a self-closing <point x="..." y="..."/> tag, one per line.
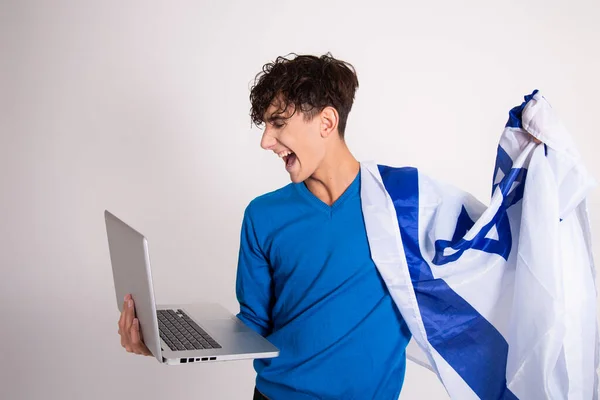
<point x="176" y="333"/>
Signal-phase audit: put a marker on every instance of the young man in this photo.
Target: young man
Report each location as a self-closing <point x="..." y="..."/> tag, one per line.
<point x="305" y="277"/>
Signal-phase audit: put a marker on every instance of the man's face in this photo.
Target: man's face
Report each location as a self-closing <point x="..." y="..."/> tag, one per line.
<point x="297" y="141"/>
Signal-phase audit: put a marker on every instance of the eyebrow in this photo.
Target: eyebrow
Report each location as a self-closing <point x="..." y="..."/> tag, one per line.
<point x="274" y="117"/>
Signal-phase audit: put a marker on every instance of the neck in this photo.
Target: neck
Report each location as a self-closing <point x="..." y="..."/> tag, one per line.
<point x="336" y="172"/>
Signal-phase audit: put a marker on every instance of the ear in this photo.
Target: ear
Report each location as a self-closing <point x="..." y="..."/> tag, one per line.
<point x="329" y="119"/>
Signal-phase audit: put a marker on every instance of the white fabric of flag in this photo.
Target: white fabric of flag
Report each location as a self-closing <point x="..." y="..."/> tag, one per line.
<point x="500" y="298"/>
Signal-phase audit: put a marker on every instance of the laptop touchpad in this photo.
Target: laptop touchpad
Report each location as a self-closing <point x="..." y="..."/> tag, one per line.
<point x="228" y="325"/>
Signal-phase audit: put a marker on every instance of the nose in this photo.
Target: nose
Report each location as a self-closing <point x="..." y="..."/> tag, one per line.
<point x="267" y="141"/>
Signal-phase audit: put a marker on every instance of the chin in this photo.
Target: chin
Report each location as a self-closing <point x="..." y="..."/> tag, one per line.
<point x="296" y="179"/>
<point x="300" y="175"/>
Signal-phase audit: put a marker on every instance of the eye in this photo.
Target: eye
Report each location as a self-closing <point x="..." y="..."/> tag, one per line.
<point x="277" y="124"/>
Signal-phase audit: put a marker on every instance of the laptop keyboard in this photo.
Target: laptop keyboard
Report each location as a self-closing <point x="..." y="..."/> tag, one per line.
<point x="180" y="332"/>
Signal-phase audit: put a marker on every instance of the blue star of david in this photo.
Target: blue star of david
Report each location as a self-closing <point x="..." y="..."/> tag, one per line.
<point x="512" y="185"/>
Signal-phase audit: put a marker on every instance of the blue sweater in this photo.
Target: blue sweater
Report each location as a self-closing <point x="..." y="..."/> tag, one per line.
<point x="307" y="283"/>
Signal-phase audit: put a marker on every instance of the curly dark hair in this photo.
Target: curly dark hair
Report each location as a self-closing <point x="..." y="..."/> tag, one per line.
<point x="308" y="82"/>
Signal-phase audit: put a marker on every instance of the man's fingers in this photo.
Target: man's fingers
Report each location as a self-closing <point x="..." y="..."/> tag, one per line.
<point x="120" y="323"/>
<point x="144" y="349"/>
<point x="122" y="317"/>
<point x="129" y="329"/>
<point x="123" y="340"/>
<point x="123" y="331"/>
<point x="135" y="332"/>
<point x="129" y="314"/>
<point x="136" y="339"/>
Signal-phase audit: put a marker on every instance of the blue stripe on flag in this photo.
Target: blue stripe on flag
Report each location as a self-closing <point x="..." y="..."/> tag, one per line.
<point x="464" y="338"/>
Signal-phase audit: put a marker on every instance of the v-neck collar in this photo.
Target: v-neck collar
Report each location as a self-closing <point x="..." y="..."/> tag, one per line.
<point x="352" y="189"/>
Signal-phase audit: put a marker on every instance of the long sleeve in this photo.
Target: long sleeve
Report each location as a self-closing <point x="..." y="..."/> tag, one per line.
<point x="254" y="280"/>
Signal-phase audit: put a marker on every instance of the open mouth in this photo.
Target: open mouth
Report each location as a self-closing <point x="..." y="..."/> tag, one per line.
<point x="289" y="160"/>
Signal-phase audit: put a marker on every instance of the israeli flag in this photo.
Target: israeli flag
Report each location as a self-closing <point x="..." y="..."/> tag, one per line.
<point x="500" y="298"/>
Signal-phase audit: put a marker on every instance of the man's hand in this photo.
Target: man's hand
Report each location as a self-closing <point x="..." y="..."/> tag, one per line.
<point x="537" y="141"/>
<point x="129" y="329"/>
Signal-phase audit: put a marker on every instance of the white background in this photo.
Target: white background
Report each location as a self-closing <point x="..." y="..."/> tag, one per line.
<point x="141" y="107"/>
